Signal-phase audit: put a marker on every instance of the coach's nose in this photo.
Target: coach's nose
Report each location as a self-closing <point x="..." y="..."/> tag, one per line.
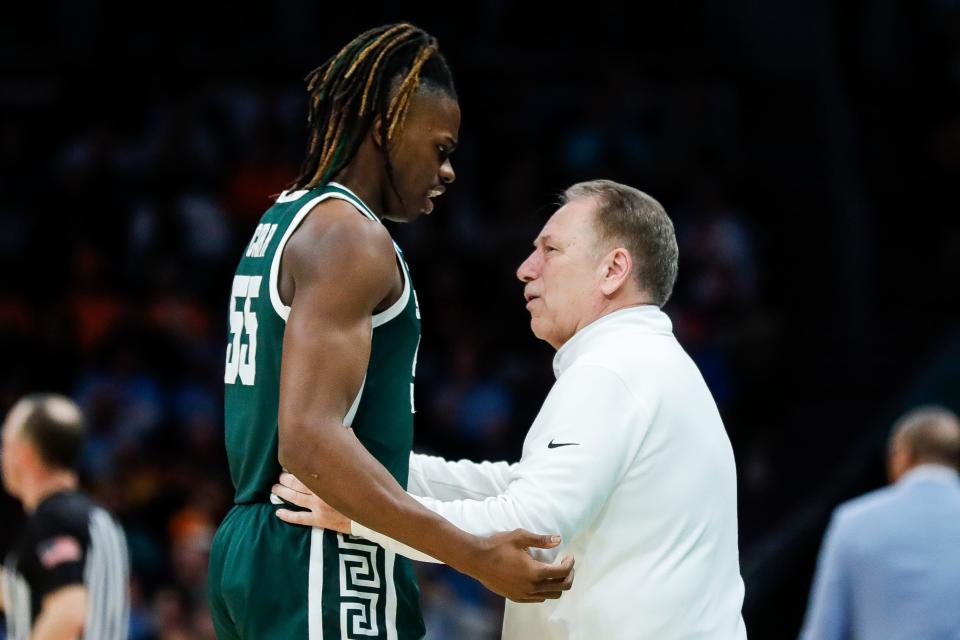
<point x="530" y="267"/>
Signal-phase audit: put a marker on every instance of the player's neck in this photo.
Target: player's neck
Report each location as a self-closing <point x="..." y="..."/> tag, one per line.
<point x="47" y="485"/>
<point x="362" y="176"/>
<point x="368" y="196"/>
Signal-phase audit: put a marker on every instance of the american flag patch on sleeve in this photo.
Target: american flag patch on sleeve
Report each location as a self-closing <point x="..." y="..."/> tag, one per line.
<point x="58" y="550"/>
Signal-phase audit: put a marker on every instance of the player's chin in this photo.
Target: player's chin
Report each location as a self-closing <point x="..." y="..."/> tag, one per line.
<point x="411" y="214"/>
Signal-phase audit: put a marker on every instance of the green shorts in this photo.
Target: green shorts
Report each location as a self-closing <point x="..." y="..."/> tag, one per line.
<point x="269" y="579"/>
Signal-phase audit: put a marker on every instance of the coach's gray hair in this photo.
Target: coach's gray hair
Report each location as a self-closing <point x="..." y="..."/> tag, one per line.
<point x="928" y="434"/>
<point x="640" y="225"/>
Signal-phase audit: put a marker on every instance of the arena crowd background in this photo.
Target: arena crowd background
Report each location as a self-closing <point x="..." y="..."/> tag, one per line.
<point x="808" y="152"/>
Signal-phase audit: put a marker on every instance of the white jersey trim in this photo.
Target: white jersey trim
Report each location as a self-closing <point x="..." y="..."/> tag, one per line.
<point x="397" y="307"/>
<point x="315" y="586"/>
<point x="360" y="204"/>
<point x="393" y="310"/>
<point x="391" y="608"/>
<point x="351" y="414"/>
<point x="283" y="310"/>
<point x="290" y="196"/>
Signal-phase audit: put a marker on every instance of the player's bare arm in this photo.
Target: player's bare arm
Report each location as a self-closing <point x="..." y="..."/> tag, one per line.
<point x="62" y="614"/>
<point x="336" y="271"/>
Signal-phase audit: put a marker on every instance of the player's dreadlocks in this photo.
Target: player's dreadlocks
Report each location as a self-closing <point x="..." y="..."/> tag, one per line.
<point x="352" y="88"/>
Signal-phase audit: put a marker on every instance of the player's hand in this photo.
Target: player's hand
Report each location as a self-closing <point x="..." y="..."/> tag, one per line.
<point x="318" y="514"/>
<point x="506" y="567"/>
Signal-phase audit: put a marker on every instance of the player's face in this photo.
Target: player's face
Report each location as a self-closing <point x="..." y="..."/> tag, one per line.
<point x="421" y="155"/>
<point x="563" y="274"/>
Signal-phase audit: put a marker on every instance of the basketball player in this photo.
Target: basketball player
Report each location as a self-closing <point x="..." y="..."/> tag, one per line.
<point x="324" y="330"/>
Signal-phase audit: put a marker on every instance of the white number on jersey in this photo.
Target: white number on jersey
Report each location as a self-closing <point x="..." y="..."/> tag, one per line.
<point x="242" y="356"/>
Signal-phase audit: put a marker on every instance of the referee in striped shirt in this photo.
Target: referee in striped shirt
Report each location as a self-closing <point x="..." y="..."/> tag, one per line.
<point x="66" y="576"/>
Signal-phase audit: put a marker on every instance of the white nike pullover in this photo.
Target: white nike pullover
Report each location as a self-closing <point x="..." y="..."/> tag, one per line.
<point x="629" y="462"/>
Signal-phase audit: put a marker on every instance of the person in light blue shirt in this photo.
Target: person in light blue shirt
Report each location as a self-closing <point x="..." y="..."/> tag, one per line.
<point x="889" y="567"/>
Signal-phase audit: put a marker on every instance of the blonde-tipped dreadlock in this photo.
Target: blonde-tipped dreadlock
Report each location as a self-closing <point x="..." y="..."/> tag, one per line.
<point x="376" y="74"/>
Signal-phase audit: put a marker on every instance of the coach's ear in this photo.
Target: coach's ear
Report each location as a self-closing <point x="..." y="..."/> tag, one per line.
<point x="615" y="270"/>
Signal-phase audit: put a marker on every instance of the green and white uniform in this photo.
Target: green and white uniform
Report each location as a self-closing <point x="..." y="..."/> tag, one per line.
<point x="269" y="579"/>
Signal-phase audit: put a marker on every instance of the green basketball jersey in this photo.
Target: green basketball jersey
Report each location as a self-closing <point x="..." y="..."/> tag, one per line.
<point x="271" y="579"/>
<point x="381" y="415"/>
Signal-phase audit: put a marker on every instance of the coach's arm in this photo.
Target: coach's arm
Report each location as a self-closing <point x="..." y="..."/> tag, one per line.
<point x="599" y="427"/>
<point x="436" y="477"/>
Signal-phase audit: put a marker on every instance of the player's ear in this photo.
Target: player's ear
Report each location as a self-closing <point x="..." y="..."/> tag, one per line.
<point x="375" y="133"/>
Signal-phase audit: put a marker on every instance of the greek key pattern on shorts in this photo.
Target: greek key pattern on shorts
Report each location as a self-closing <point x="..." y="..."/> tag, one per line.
<point x="360" y="588"/>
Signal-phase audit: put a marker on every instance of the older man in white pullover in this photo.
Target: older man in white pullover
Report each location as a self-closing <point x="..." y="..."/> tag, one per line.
<point x="628" y="459"/>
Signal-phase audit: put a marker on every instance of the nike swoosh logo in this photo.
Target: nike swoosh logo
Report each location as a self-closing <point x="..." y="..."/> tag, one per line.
<point x="554" y="445"/>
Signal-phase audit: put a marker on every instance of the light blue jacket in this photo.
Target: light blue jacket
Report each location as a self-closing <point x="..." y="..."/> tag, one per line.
<point x="889" y="568"/>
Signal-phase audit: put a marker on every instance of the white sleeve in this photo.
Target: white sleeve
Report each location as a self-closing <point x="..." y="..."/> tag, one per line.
<point x="588" y="432"/>
<point x="578" y="449"/>
<point x="435" y="477"/>
<point x="390" y="544"/>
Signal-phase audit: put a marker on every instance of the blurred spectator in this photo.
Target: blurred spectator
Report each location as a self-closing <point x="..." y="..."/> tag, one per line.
<point x="889" y="567"/>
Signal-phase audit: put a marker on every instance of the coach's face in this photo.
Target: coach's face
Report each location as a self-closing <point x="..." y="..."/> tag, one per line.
<point x="563" y="274"/>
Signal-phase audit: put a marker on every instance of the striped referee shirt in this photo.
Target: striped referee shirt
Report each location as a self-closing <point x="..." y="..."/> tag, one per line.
<point x="68" y="541"/>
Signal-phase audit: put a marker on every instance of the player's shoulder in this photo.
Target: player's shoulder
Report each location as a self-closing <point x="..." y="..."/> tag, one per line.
<point x="335" y="231"/>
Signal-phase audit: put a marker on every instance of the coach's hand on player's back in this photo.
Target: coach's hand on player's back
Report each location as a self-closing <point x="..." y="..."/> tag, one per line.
<point x="318" y="513"/>
<point x="505" y="567"/>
